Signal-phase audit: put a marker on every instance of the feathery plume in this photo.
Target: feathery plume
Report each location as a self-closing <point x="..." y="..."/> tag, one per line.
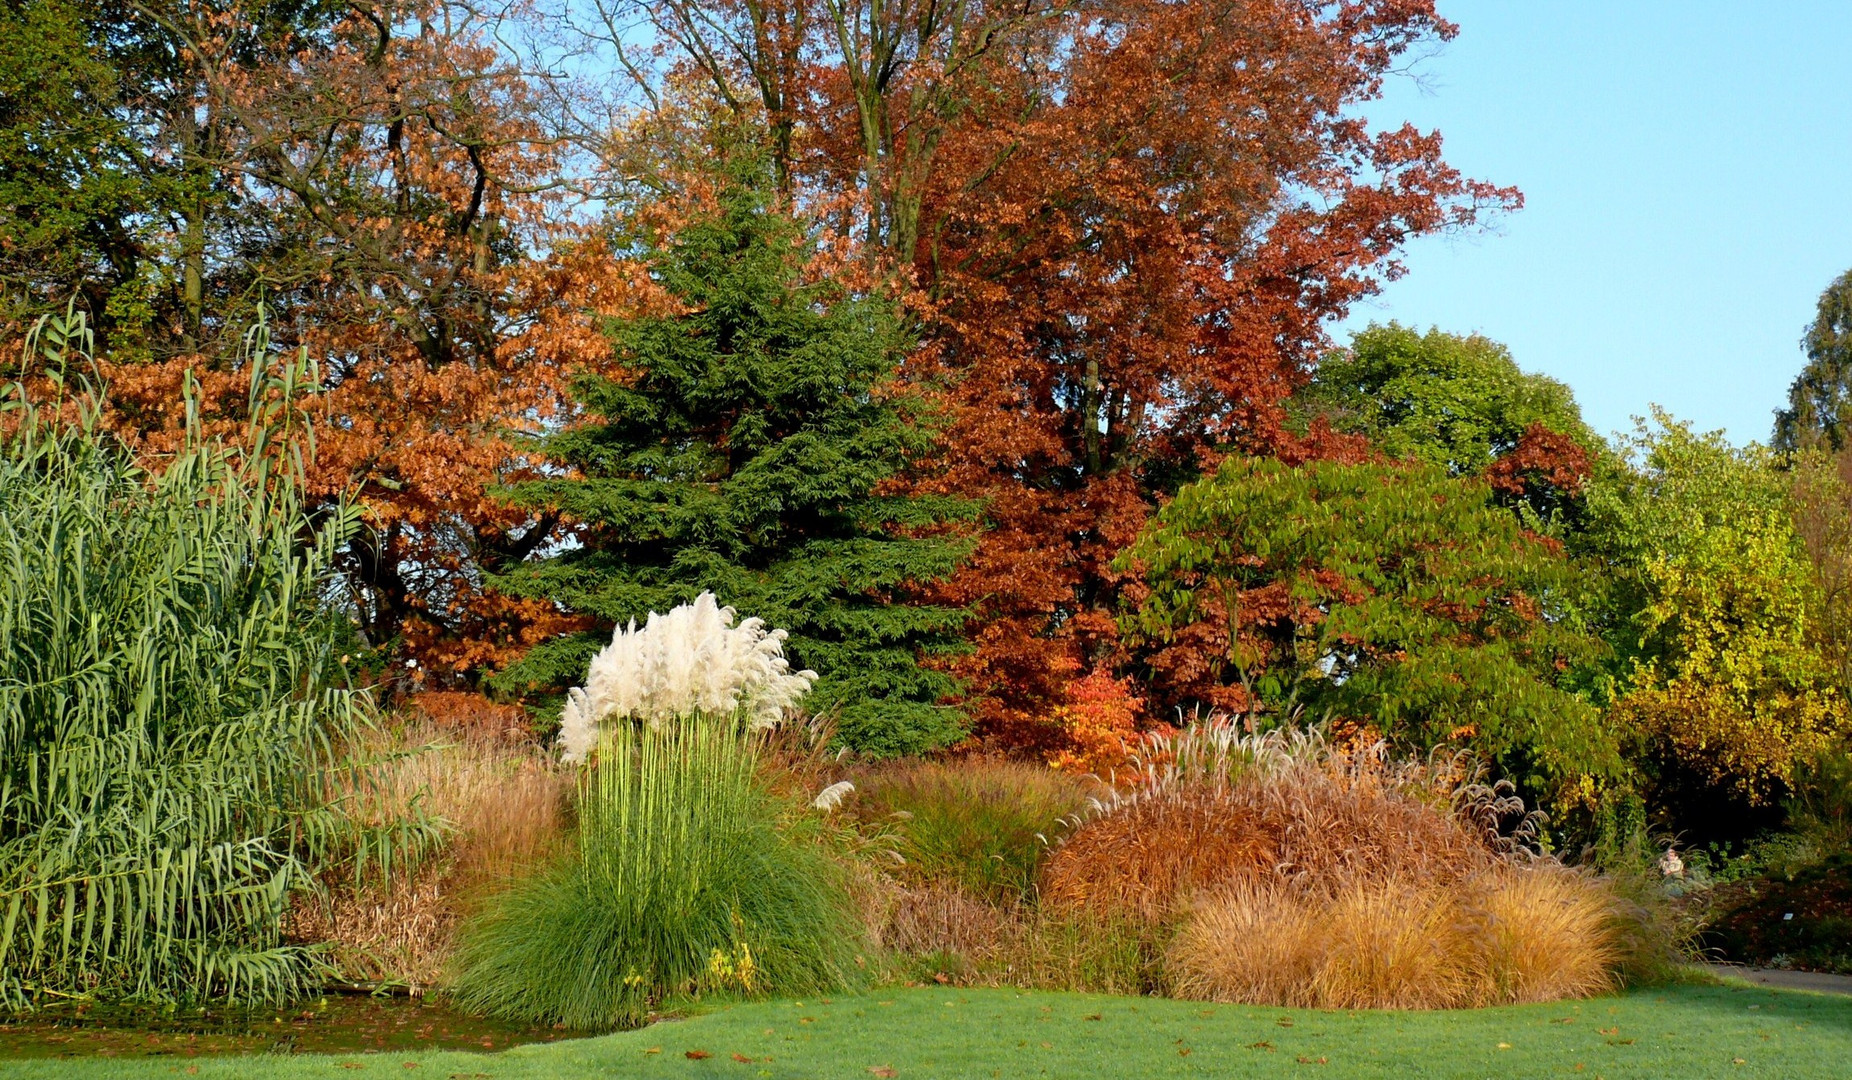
<point x="831" y="797"/>
<point x="691" y="660"/>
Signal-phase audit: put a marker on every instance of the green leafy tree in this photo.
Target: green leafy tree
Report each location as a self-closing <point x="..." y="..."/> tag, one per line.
<point x="1820" y="399"/>
<point x="1390" y="596"/>
<point x="1722" y="688"/>
<point x="1460" y="403"/>
<point x="75" y="201"/>
<point x="749" y="453"/>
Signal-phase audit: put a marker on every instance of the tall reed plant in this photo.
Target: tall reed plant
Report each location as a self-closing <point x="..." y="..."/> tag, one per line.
<point x="683" y="882"/>
<point x="170" y="712"/>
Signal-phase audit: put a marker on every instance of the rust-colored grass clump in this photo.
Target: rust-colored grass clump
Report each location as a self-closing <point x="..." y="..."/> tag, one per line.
<point x="1224" y="807"/>
<point x="1299" y="873"/>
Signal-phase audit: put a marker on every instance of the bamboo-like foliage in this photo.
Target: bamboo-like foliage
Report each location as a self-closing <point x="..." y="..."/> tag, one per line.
<point x="170" y="721"/>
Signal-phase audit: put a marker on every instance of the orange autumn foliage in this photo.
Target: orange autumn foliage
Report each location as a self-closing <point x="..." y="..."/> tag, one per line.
<point x="1097" y="727"/>
<point x="392" y="197"/>
<point x="1122" y="226"/>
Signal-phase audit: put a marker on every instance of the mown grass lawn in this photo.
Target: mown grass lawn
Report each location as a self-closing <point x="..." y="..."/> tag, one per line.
<point x="1680" y="1031"/>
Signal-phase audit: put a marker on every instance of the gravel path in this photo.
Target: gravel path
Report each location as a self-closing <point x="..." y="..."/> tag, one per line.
<point x="1786" y="980"/>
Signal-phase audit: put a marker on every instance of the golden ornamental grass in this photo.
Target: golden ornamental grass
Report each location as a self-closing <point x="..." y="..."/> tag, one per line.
<point x="1300" y="874"/>
<point x="1516" y="934"/>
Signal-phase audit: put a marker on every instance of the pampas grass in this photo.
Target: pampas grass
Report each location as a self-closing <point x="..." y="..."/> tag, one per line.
<point x="692" y="660"/>
<point x="682" y="883"/>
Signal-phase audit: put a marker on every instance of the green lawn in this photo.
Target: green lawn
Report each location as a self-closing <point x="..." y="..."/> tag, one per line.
<point x="1680" y="1031"/>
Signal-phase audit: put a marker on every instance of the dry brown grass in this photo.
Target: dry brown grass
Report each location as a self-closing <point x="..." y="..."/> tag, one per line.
<point x="504" y="802"/>
<point x="941" y="931"/>
<point x="1547" y="932"/>
<point x="1228" y="807"/>
<point x="1514" y="934"/>
<point x="1299" y="873"/>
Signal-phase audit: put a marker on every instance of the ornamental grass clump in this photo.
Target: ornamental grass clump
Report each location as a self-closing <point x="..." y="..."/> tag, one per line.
<point x="984" y="825"/>
<point x="1295" y="872"/>
<point x="687" y="878"/>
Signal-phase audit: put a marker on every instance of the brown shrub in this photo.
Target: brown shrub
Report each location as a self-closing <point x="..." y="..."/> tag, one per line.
<point x="458" y="710"/>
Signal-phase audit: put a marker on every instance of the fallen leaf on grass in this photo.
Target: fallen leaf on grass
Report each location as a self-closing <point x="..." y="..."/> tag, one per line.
<point x="696" y="1055"/>
<point x="1095" y="1016"/>
<point x="1504" y="1046"/>
<point x="1303" y="1060"/>
<point x="654" y="1050"/>
<point x="806" y="1019"/>
<point x="1608" y="1031"/>
<point x="1261" y="1045"/>
<point x="1738" y="1061"/>
<point x="743" y="1059"/>
<point x="883" y="1071"/>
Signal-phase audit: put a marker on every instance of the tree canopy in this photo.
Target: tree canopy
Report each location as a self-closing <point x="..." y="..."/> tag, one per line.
<point x="749" y="449"/>
<point x="1461" y="403"/>
<point x="1388" y="596"/>
<point x="1820" y="399"/>
<point x="1715" y="603"/>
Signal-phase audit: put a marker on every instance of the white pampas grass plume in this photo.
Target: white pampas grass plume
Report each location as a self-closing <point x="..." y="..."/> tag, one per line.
<point x="691" y="660"/>
<point x="831" y="797"/>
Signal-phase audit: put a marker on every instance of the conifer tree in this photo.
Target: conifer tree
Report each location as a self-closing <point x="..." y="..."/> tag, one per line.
<point x="745" y="453"/>
<point x="1820" y="398"/>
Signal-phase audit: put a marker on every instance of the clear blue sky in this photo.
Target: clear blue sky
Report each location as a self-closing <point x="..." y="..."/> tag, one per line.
<point x="1687" y="173"/>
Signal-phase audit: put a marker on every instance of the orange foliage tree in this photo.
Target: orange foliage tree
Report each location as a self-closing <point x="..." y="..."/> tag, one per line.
<point x="1127" y="223"/>
<point x="383" y="183"/>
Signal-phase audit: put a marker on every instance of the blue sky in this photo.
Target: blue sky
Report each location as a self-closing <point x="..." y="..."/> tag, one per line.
<point x="1687" y="172"/>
